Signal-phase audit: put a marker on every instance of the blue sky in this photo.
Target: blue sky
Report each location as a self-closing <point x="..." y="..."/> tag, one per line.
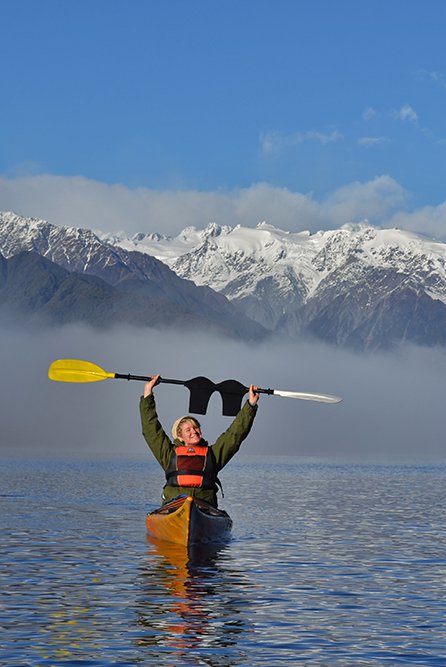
<point x="151" y="116"/>
<point x="112" y="108"/>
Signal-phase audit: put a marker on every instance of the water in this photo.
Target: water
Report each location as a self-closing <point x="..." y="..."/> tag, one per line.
<point x="328" y="565"/>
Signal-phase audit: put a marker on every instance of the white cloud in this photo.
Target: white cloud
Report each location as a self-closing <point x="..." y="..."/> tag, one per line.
<point x="437" y="77"/>
<point x="369" y="142"/>
<point x="279" y="206"/>
<point x="374" y="200"/>
<point x="405" y="113"/>
<point x="369" y="113"/>
<point x="271" y="142"/>
<point x="80" y="202"/>
<point x="429" y="220"/>
<point x="274" y="141"/>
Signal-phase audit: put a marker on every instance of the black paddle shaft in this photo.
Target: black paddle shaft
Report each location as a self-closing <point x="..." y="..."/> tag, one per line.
<point x="201" y="390"/>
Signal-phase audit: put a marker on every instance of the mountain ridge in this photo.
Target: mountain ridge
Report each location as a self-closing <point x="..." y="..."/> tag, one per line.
<point x="357" y="286"/>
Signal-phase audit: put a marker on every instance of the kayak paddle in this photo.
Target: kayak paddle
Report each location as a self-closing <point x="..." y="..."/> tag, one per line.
<point x="201" y="388"/>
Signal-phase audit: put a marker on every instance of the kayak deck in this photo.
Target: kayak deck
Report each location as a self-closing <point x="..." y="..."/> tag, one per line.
<point x="186" y="520"/>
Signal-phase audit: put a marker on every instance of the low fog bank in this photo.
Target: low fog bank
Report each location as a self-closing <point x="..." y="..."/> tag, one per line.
<point x="392" y="409"/>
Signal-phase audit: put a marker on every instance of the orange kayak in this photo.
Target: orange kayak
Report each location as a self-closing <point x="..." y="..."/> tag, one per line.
<point x="188" y="521"/>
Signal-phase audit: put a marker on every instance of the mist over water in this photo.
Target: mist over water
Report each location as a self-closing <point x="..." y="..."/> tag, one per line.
<point x="392" y="409"/>
<point x="330" y="563"/>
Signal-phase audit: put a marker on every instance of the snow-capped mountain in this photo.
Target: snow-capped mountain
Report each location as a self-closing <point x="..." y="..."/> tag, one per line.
<point x="357" y="285"/>
<point x="135" y="273"/>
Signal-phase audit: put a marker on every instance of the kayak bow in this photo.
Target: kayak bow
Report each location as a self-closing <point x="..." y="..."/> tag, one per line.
<point x="186" y="520"/>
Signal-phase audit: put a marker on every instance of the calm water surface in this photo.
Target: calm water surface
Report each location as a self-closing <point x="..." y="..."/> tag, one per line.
<point x="328" y="565"/>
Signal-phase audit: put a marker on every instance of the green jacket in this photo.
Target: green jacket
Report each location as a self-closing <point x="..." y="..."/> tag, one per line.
<point x="227" y="444"/>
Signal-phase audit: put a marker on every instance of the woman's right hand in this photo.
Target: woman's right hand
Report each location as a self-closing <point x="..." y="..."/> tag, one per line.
<point x="148" y="387"/>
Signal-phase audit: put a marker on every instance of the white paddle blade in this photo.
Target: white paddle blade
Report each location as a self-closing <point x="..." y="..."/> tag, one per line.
<point x="322" y="398"/>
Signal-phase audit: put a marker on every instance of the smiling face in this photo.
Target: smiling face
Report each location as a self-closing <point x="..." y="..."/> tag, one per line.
<point x="189" y="432"/>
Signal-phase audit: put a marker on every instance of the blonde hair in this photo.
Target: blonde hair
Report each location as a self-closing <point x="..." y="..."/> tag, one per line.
<point x="176" y="426"/>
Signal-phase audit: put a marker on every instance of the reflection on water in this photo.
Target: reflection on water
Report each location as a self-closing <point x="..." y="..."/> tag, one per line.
<point x="191" y="603"/>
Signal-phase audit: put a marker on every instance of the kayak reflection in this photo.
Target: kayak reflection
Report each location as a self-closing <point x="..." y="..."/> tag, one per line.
<point x="192" y="602"/>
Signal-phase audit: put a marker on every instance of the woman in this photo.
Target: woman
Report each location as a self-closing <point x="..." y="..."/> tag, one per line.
<point x="190" y="463"/>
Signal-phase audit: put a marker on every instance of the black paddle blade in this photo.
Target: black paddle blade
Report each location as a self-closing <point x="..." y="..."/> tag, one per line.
<point x="232" y="393"/>
<point x="201" y="389"/>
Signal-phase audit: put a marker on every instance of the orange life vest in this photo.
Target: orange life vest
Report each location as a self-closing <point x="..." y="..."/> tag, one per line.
<point x="192" y="466"/>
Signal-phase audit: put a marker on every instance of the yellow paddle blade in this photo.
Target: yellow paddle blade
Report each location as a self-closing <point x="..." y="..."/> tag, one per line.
<point x="75" y="370"/>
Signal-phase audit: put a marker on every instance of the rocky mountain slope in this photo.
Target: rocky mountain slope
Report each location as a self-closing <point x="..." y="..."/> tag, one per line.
<point x="140" y="280"/>
<point x="35" y="291"/>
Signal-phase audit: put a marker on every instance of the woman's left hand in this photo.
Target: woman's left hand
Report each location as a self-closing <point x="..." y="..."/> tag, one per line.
<point x="253" y="395"/>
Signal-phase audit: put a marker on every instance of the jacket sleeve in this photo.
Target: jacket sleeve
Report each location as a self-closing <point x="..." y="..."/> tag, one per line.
<point x="154" y="434"/>
<point x="229" y="442"/>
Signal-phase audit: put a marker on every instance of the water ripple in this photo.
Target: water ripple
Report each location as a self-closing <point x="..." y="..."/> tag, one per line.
<point x="351" y="572"/>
